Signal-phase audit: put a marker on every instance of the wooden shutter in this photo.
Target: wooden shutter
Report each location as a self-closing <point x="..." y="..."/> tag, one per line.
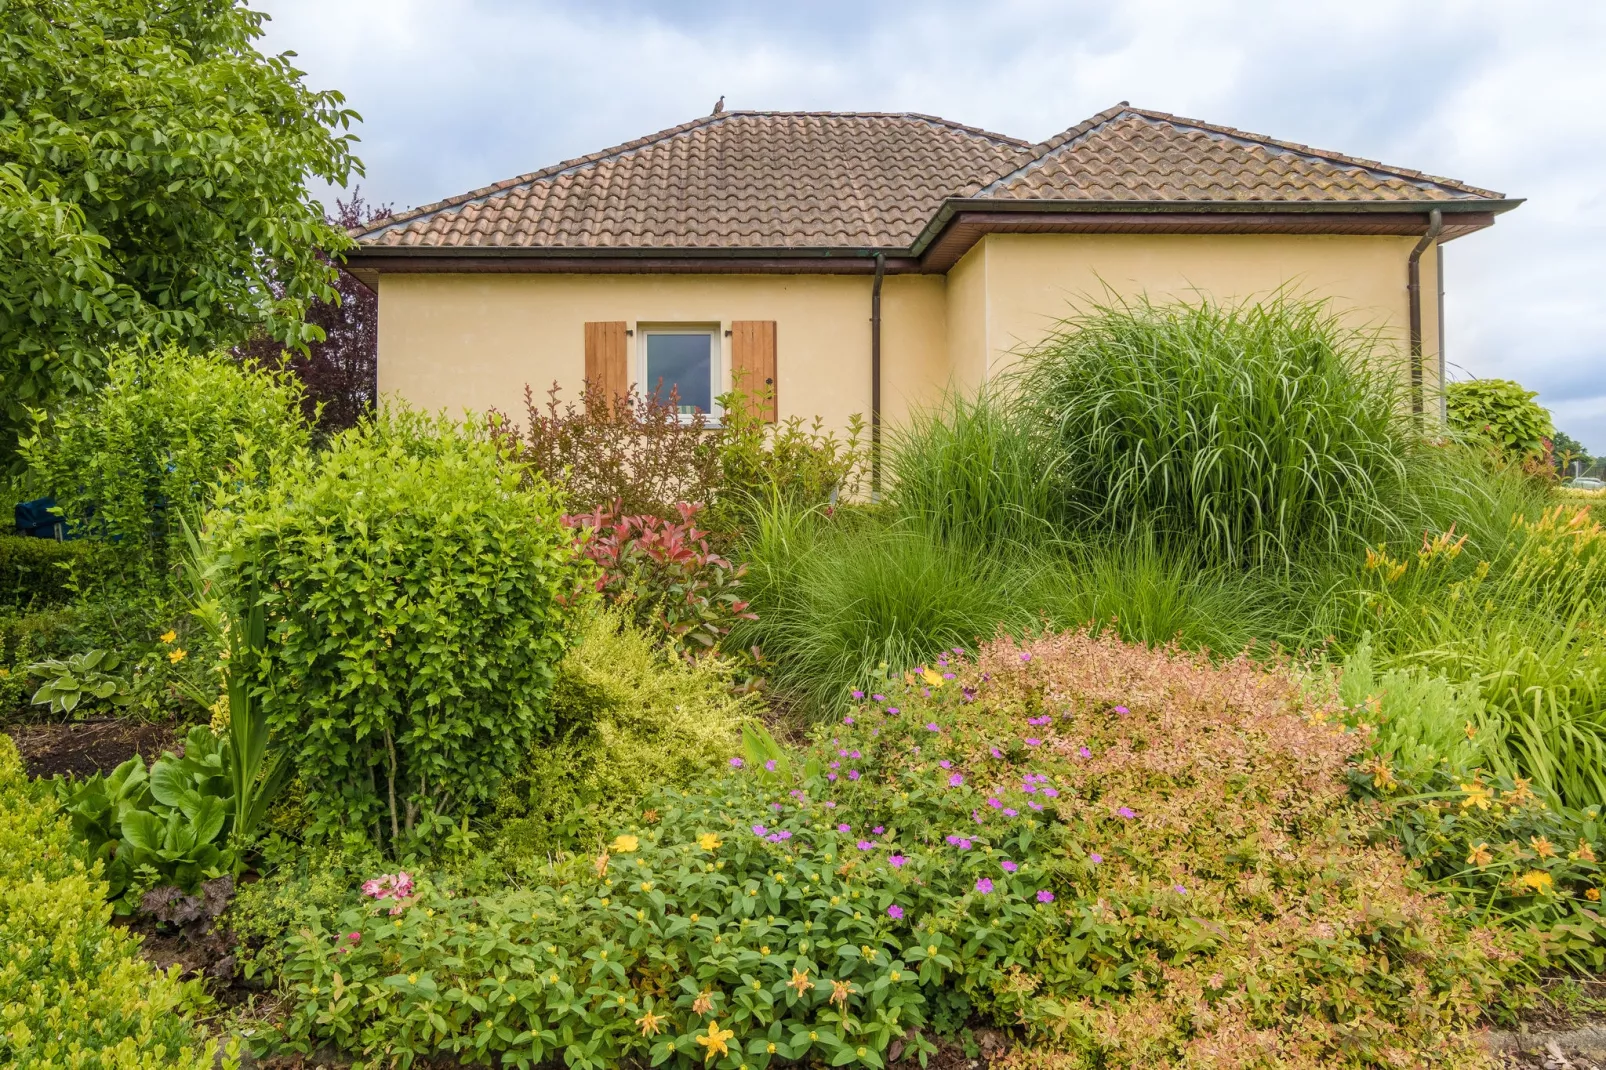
<point x="607" y="359"/>
<point x="753" y="364"/>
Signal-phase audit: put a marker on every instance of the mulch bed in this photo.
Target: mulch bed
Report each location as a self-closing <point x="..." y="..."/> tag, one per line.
<point x="97" y="745"/>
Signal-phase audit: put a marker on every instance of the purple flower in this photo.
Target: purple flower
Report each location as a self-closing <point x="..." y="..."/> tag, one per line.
<point x="1025" y="655"/>
<point x="1007" y="866"/>
<point x="1028" y="787"/>
<point x="878" y="830"/>
<point x="843" y="753"/>
<point x="848" y="720"/>
<point x="853" y="774"/>
<point x="834" y="765"/>
<point x="1125" y="811"/>
<point x="955" y="781"/>
<point x="946" y="764"/>
<point x="830" y="804"/>
<point x="879" y="698"/>
<point x="776" y="807"/>
<point x="1095" y="858"/>
<point x="1122" y="710"/>
<point x="968" y="694"/>
<point x="1033" y="741"/>
<point x="997" y="753"/>
<point x="897" y="861"/>
<point x="925" y="692"/>
<point x="769" y="766"/>
<point x="893" y="710"/>
<point x="1052" y="793"/>
<point x="932" y="726"/>
<point x="947" y="676"/>
<point x="736" y="763"/>
<point x="855" y="754"/>
<point x="858" y="694"/>
<point x="995" y="802"/>
<point x="1010" y="811"/>
<point x="984" y="886"/>
<point x="1180" y="890"/>
<point x="1085" y="753"/>
<point x="959" y="650"/>
<point x="1034" y="804"/>
<point x="844" y="829"/>
<point x="830" y="776"/>
<point x="759" y="830"/>
<point x="1045" y="896"/>
<point x="895" y="912"/>
<point x="865" y="845"/>
<point x="781" y="836"/>
<point x="1039" y="720"/>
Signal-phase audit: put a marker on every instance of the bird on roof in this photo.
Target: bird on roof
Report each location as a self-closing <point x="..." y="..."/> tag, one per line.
<point x="719" y="105"/>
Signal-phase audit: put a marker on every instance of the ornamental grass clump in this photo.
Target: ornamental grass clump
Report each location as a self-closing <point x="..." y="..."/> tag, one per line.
<point x="1253" y="432"/>
<point x="1124" y="856"/>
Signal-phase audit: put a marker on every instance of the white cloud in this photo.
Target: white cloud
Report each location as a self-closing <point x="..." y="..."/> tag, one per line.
<point x="456" y="95"/>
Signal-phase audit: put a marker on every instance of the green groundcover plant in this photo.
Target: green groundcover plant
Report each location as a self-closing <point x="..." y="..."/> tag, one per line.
<point x="1130" y="857"/>
<point x="74" y="991"/>
<point x="1500" y="414"/>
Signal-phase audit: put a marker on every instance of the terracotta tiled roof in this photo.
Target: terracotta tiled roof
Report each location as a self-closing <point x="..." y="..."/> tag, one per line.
<point x="833" y="180"/>
<point x="1129" y="154"/>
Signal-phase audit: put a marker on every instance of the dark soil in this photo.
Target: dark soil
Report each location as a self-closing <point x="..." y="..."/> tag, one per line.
<point x="98" y="745"/>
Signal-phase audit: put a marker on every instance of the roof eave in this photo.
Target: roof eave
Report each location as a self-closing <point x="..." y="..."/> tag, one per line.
<point x="955" y="205"/>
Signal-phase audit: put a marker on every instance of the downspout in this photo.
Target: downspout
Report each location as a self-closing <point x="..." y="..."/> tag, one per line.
<point x="1413" y="296"/>
<point x="1438" y="274"/>
<point x="875" y="378"/>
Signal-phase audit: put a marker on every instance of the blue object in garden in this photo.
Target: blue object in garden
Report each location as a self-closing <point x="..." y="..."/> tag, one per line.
<point x="39" y="519"/>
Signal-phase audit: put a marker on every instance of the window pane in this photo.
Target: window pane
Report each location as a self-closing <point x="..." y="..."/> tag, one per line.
<point x="682" y="362"/>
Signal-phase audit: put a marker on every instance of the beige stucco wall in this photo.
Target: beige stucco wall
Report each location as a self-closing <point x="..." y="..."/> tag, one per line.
<point x="473" y="341"/>
<point x="1032" y="280"/>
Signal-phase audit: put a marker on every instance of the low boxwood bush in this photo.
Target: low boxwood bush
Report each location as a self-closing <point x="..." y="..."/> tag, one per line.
<point x="629" y="718"/>
<point x="418" y="588"/>
<point x="38" y="573"/>
<point x="1127" y="857"/>
<point x="74" y="991"/>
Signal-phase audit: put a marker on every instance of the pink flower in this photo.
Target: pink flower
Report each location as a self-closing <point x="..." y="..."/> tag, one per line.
<point x="1122" y="710"/>
<point x="947" y="676"/>
<point x="984" y="886"/>
<point x="932" y="726"/>
<point x="878" y="698"/>
<point x="995" y="802"/>
<point x="830" y="776"/>
<point x="1095" y="858"/>
<point x="1045" y="719"/>
<point x="1085" y="753"/>
<point x="1045" y="896"/>
<point x="1034" y="804"/>
<point x="897" y="861"/>
<point x="848" y="720"/>
<point x="1032" y="741"/>
<point x="865" y="845"/>
<point x="1011" y="812"/>
<point x="1025" y="655"/>
<point x="830" y="804"/>
<point x="770" y="765"/>
<point x="355" y="938"/>
<point x="895" y="912"/>
<point x="1051" y="793"/>
<point x="1125" y="811"/>
<point x="759" y="830"/>
<point x="844" y="829"/>
<point x="946" y="764"/>
<point x="1007" y="866"/>
<point x="1180" y="890"/>
<point x="736" y="763"/>
<point x="853" y="774"/>
<point x="855" y="754"/>
<point x="893" y="710"/>
<point x="955" y="781"/>
<point x="878" y="830"/>
<point x="858" y="694"/>
<point x="997" y="753"/>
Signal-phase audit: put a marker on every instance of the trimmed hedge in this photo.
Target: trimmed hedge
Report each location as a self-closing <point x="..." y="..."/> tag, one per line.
<point x="37" y="572"/>
<point x="73" y="990"/>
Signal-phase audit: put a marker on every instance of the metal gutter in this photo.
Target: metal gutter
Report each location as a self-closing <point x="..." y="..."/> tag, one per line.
<point x="875" y="378"/>
<point x="1413" y="296"/>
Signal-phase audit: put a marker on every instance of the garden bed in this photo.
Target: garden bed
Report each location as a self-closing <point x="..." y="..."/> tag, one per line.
<point x="83" y="748"/>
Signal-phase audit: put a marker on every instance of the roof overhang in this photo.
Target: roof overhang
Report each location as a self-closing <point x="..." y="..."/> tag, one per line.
<point x="952" y="232"/>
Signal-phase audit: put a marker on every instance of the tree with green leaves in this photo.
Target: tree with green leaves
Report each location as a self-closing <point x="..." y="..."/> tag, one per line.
<point x="153" y="187"/>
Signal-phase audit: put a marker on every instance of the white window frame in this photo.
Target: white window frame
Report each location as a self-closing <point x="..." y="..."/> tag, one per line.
<point x="717" y="360"/>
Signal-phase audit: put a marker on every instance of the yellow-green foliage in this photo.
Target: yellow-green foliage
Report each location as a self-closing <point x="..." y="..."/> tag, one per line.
<point x="629" y="718"/>
<point x="73" y="990"/>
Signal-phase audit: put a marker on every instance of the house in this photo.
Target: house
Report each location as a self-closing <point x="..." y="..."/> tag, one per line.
<point x="863" y="263"/>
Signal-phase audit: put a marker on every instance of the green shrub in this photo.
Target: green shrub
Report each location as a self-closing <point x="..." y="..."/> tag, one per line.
<point x="628" y="719"/>
<point x="416" y="588"/>
<point x="1253" y="433"/>
<point x="1130" y="857"/>
<point x="305" y="883"/>
<point x="36" y="573"/>
<point x="1501" y="414"/>
<point x="1420" y="720"/>
<point x="73" y="988"/>
<point x="127" y="462"/>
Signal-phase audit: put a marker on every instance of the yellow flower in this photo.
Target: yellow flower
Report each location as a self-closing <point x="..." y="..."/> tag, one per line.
<point x="709" y="841"/>
<point x="646" y="886"/>
<point x="1480" y="855"/>
<point x="412" y="978"/>
<point x="1476" y="795"/>
<point x="932" y="678"/>
<point x="1537" y="879"/>
<point x="1586" y="852"/>
<point x="764" y="950"/>
<point x="176" y="656"/>
<point x="650" y="1023"/>
<point x="770" y="1047"/>
<point x="1542" y="846"/>
<point x="1592" y="894"/>
<point x="715" y="1041"/>
<point x="695" y="918"/>
<point x="896" y="976"/>
<point x="1472" y="733"/>
<point x="169" y="636"/>
<point x="624" y="844"/>
<point x="800" y="981"/>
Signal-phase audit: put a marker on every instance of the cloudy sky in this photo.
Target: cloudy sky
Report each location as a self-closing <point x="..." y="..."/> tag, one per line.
<point x="456" y="95"/>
